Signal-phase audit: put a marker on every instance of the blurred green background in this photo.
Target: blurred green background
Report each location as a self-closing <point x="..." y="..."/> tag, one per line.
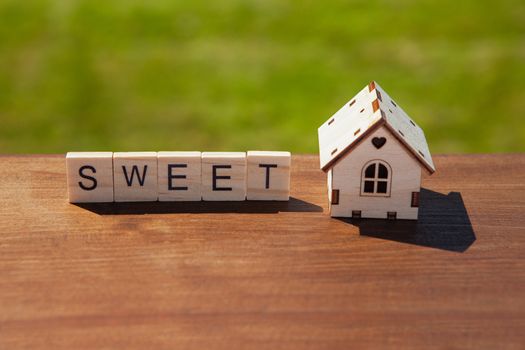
<point x="239" y="75"/>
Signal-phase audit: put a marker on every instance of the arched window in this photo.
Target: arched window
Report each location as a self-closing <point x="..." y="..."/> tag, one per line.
<point x="376" y="178"/>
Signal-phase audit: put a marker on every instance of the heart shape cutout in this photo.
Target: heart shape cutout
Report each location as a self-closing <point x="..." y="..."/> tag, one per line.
<point x="379" y="142"/>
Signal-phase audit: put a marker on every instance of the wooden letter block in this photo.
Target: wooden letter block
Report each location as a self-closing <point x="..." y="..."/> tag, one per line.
<point x="179" y="175"/>
<point x="90" y="177"/>
<point x="223" y="176"/>
<point x="268" y="176"/>
<point x="135" y="176"/>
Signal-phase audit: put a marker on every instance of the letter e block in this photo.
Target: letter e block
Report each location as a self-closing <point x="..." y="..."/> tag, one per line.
<point x="135" y="176"/>
<point x="89" y="177"/>
<point x="223" y="176"/>
<point x="268" y="176"/>
<point x="179" y="176"/>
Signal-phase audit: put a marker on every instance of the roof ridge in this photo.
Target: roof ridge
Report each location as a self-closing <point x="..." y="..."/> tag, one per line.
<point x="375" y="103"/>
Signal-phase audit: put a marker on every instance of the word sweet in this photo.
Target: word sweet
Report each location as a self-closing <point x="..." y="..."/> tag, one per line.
<point x="177" y="176"/>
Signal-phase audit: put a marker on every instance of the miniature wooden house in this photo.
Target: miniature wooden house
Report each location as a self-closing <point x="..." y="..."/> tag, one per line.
<point x="373" y="154"/>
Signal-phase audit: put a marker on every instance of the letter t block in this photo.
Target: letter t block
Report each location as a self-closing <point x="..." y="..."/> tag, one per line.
<point x="268" y="176"/>
<point x="90" y="177"/>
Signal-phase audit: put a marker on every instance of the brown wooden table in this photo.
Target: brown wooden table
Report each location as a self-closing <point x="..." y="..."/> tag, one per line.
<point x="264" y="275"/>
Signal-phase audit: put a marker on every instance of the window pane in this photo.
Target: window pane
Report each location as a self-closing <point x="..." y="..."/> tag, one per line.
<point x="370" y="171"/>
<point x="383" y="172"/>
<point x="381" y="186"/>
<point x="369" y="187"/>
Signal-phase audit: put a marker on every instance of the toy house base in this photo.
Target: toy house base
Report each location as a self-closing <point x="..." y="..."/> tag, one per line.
<point x="389" y="215"/>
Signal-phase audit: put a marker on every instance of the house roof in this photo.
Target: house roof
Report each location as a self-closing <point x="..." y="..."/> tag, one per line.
<point x="371" y="108"/>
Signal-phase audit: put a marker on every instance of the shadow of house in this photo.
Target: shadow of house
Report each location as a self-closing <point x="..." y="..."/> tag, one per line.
<point x="201" y="207"/>
<point x="443" y="224"/>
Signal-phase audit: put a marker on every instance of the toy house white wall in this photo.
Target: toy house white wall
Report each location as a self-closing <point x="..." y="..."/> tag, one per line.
<point x="405" y="178"/>
<point x="329" y="185"/>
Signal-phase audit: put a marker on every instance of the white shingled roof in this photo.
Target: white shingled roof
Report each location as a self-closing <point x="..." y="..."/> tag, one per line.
<point x="368" y="110"/>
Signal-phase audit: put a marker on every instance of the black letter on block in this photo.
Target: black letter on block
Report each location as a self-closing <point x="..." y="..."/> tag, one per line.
<point x="171" y="177"/>
<point x="135" y="170"/>
<point x="82" y="175"/>
<point x="267" y="166"/>
<point x="216" y="177"/>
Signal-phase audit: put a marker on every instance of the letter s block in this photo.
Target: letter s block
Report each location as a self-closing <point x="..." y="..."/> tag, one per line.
<point x="224" y="176"/>
<point x="89" y="177"/>
<point x="135" y="176"/>
<point x="268" y="176"/>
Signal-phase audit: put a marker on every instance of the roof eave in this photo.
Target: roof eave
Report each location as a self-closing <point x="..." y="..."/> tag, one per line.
<point x="357" y="141"/>
<point x="426" y="166"/>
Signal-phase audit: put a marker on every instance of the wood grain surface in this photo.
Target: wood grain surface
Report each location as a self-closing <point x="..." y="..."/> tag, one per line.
<point x="211" y="275"/>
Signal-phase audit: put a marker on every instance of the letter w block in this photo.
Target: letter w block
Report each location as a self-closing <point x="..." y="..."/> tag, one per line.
<point x="135" y="176"/>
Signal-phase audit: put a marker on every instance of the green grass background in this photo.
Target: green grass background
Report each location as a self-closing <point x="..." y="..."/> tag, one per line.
<point x="239" y="75"/>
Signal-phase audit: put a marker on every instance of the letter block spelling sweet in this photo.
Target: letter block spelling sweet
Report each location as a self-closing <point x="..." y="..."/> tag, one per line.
<point x="268" y="176"/>
<point x="223" y="176"/>
<point x="90" y="177"/>
<point x="135" y="176"/>
<point x="179" y="175"/>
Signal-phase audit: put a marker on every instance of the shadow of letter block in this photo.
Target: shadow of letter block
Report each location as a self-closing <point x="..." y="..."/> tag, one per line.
<point x="268" y="176"/>
<point x="90" y="177"/>
<point x="179" y="175"/>
<point x="135" y="176"/>
<point x="223" y="176"/>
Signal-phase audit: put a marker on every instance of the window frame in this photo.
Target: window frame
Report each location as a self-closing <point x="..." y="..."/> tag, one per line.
<point x="376" y="179"/>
